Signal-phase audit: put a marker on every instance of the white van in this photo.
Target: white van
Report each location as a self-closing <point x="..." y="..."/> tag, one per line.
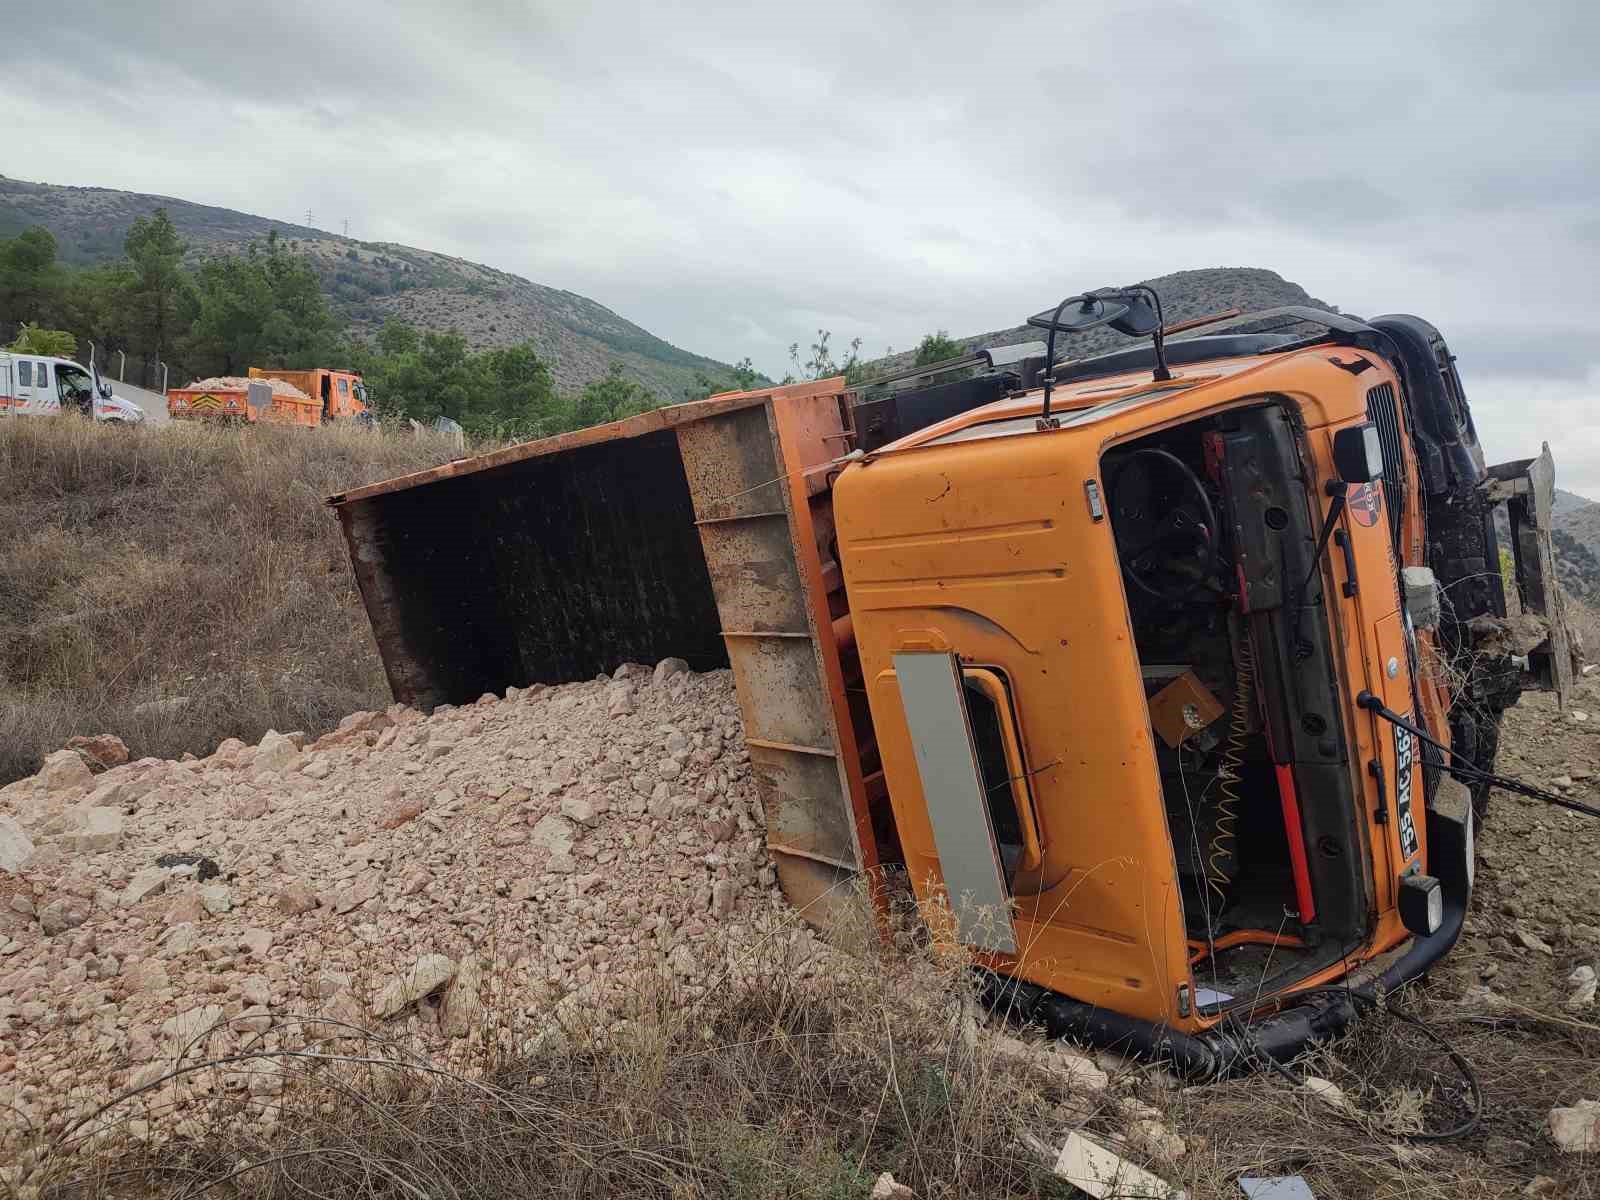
<point x="34" y="385"/>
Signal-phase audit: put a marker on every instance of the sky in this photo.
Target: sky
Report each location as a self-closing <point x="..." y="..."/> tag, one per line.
<point x="735" y="177"/>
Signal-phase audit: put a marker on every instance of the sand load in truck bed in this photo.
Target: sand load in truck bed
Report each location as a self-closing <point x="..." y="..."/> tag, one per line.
<point x="240" y="383"/>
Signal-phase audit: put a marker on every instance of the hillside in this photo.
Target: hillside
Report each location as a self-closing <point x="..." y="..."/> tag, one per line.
<point x="1576" y="533"/>
<point x="121" y="613"/>
<point x="370" y="282"/>
<point x="1184" y="294"/>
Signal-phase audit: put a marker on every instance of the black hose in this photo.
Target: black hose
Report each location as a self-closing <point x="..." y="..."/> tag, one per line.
<point x="1469" y="1077"/>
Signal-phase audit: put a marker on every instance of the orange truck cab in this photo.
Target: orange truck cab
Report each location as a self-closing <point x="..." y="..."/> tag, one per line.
<point x="1124" y="636"/>
<point x="340" y="394"/>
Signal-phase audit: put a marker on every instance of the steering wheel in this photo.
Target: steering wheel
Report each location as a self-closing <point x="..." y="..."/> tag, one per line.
<point x="1174" y="550"/>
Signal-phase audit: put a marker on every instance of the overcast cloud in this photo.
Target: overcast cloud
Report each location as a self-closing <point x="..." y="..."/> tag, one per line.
<point x="735" y="177"/>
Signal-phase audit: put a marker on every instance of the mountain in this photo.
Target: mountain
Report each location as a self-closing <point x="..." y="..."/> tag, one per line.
<point x="1184" y="295"/>
<point x="369" y="282"/>
<point x="1576" y="534"/>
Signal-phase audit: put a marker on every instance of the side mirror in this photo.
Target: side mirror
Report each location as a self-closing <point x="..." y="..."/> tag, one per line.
<point x="1358" y="453"/>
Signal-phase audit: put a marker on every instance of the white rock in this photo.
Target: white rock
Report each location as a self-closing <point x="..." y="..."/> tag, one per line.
<point x="1577" y="1129"/>
<point x="1079" y="1070"/>
<point x="668" y="667"/>
<point x="579" y="810"/>
<point x="255" y="941"/>
<point x="553" y="833"/>
<point x="15" y="845"/>
<point x="274" y="754"/>
<point x="255" y="990"/>
<point x="1584" y="985"/>
<point x="61" y="915"/>
<point x="424" y="975"/>
<point x="255" y="1019"/>
<point x="180" y="939"/>
<point x="1325" y="1090"/>
<point x="1531" y="941"/>
<point x="462" y="1007"/>
<point x="64" y="773"/>
<point x="146" y="881"/>
<point x="215" y="899"/>
<point x="187" y="1026"/>
<point x="93" y="830"/>
<point x="886" y="1187"/>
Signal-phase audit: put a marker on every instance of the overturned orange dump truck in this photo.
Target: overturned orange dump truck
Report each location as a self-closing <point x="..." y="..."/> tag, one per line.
<point x="1134" y="663"/>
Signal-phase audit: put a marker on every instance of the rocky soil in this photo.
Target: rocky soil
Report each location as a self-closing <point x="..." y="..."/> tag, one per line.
<point x="416" y="875"/>
<point x="553" y="840"/>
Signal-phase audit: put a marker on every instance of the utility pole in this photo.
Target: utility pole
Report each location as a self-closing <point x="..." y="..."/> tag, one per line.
<point x="308" y="218"/>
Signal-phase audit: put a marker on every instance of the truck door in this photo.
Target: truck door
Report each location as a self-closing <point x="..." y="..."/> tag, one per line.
<point x="8" y="386"/>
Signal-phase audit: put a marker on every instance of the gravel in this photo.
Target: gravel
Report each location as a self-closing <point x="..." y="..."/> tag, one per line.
<point x="240" y="383"/>
<point x="559" y="841"/>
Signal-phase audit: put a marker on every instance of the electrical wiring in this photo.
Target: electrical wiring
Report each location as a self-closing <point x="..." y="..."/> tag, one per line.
<point x="1224" y="833"/>
<point x="1469" y="1077"/>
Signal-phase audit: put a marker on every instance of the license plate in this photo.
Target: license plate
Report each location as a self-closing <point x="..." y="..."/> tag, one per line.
<point x="1404" y="771"/>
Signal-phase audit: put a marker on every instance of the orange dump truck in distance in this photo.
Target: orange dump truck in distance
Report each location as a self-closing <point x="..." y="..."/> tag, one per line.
<point x="340" y="395"/>
<point x="232" y="399"/>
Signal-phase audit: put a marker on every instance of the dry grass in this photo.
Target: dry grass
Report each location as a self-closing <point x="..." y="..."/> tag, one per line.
<point x="802" y="1073"/>
<point x="799" y="1072"/>
<point x="137" y="566"/>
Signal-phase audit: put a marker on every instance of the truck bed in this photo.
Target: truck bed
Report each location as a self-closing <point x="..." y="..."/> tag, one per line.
<point x="699" y="531"/>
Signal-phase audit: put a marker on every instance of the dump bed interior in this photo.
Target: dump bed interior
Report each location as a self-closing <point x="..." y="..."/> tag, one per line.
<point x="702" y="531"/>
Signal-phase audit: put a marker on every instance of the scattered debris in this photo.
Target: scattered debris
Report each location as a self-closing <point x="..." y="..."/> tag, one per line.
<point x="15" y="845"/>
<point x="1532" y="941"/>
<point x="1276" y="1187"/>
<point x="1577" y="1129"/>
<point x="1102" y="1173"/>
<point x="886" y="1188"/>
<point x="1583" y="983"/>
<point x="205" y="868"/>
<point x="1325" y="1090"/>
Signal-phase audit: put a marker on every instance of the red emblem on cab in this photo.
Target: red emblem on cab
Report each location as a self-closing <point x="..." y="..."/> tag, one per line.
<point x="1365" y="501"/>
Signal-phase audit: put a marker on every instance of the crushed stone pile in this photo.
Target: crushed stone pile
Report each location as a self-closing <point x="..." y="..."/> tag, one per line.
<point x="240" y="383"/>
<point x="558" y="840"/>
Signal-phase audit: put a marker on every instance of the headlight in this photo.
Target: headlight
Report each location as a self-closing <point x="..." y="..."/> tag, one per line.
<point x="1421" y="904"/>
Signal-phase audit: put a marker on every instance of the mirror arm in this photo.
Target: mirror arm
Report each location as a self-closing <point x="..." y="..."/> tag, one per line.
<point x="1159" y="336"/>
<point x="1045" y="420"/>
